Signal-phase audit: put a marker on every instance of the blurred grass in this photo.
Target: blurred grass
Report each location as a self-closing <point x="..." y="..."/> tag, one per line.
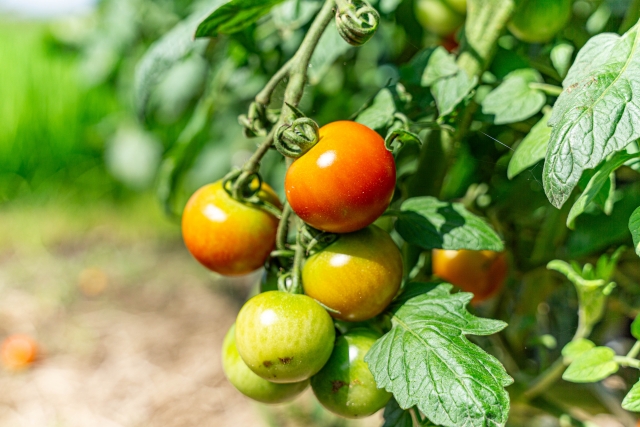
<point x="50" y="140"/>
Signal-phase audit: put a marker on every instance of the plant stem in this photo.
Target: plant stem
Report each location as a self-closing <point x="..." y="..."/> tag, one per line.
<point x="552" y="90"/>
<point x="634" y="350"/>
<point x="296" y="68"/>
<point x="296" y="286"/>
<point x="627" y="361"/>
<point x="554" y="372"/>
<point x="283" y="227"/>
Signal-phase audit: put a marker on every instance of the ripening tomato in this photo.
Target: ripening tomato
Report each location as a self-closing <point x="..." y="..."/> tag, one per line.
<point x="345" y="182"/>
<point x="357" y="276"/>
<point x="481" y="272"/>
<point x="250" y="384"/>
<point x="18" y="352"/>
<point x="345" y="385"/>
<point x="459" y="6"/>
<point x="284" y="338"/>
<point x="538" y="21"/>
<point x="226" y="236"/>
<point x="438" y="17"/>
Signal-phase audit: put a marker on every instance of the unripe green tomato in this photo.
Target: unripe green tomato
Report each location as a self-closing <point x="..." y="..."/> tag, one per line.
<point x="538" y="21"/>
<point x="438" y="17"/>
<point x="357" y="276"/>
<point x="250" y="384"/>
<point x="459" y="6"/>
<point x="284" y="338"/>
<point x="345" y="386"/>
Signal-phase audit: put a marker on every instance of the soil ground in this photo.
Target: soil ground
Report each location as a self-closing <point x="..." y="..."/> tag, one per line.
<point x="130" y="327"/>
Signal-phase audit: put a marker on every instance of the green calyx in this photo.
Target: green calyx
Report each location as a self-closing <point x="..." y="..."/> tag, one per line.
<point x="356" y="21"/>
<point x="296" y="138"/>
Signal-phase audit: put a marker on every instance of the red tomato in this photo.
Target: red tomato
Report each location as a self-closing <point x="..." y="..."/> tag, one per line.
<point x="226" y="236"/>
<point x="345" y="182"/>
<point x="481" y="272"/>
<point x="18" y="352"/>
<point x="358" y="275"/>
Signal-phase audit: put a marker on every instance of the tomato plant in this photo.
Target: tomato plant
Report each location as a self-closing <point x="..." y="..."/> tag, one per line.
<point x="18" y="352"/>
<point x="345" y="384"/>
<point x="357" y="276"/>
<point x="466" y="153"/>
<point x="480" y="272"/>
<point x="225" y="235"/>
<point x="538" y="21"/>
<point x="345" y="182"/>
<point x="284" y="338"/>
<point x="250" y="384"/>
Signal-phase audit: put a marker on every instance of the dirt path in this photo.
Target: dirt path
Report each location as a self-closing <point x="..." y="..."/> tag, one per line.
<point x="131" y="329"/>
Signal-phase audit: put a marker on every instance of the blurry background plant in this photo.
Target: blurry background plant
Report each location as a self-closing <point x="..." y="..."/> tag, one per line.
<point x="71" y="132"/>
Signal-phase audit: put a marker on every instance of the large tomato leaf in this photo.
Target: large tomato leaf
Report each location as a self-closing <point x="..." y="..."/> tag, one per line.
<point x="597" y="113"/>
<point x="167" y="51"/>
<point x="514" y="100"/>
<point x="532" y="148"/>
<point x="234" y="16"/>
<point x="425" y="360"/>
<point x="430" y="223"/>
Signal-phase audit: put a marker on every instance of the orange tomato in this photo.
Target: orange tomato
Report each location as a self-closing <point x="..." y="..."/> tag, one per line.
<point x="345" y="182"/>
<point x="481" y="272"/>
<point x="225" y="235"/>
<point x="357" y="276"/>
<point x="18" y="352"/>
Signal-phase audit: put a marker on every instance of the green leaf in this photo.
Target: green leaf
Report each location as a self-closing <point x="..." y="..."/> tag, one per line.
<point x="532" y="148"/>
<point x="592" y="366"/>
<point x="514" y="101"/>
<point x="635" y="328"/>
<point x="379" y="114"/>
<point x="631" y="401"/>
<point x="174" y="46"/>
<point x="599" y="179"/>
<point x="234" y="16"/>
<point x="596" y="114"/>
<point x="575" y="348"/>
<point x="561" y="56"/>
<point x="451" y="91"/>
<point x="441" y="64"/>
<point x="430" y="223"/>
<point x="425" y="360"/>
<point x="634" y="227"/>
<point x="395" y="416"/>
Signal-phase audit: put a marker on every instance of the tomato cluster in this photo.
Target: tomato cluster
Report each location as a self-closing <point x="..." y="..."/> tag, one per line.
<point x="282" y="341"/>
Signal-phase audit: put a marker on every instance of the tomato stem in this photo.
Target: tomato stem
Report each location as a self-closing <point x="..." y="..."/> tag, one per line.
<point x="296" y="68"/>
<point x="283" y="227"/>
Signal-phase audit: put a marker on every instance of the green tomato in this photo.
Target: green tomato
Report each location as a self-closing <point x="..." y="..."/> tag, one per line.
<point x="438" y="17"/>
<point x="250" y="384"/>
<point x="459" y="6"/>
<point x="538" y="21"/>
<point x="284" y="338"/>
<point x="345" y="386"/>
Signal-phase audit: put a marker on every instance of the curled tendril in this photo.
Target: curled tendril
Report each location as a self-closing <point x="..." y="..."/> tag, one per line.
<point x="285" y="282"/>
<point x="257" y="121"/>
<point x="356" y="21"/>
<point x="311" y="238"/>
<point x="296" y="138"/>
<point x="245" y="187"/>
